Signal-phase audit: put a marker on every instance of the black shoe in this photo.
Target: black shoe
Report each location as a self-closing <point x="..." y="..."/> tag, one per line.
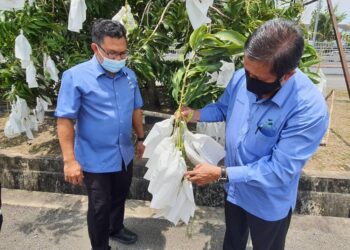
<point x="1" y="219"/>
<point x="109" y="248"/>
<point x="124" y="236"/>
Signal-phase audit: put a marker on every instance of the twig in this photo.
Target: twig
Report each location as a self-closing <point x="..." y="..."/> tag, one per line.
<point x="220" y="13"/>
<point x="146" y="10"/>
<point x="64" y="6"/>
<point x="160" y="20"/>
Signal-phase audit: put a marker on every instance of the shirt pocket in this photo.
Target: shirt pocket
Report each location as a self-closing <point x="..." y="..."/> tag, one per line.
<point x="261" y="142"/>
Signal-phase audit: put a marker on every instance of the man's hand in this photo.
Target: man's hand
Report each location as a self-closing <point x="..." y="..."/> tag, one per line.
<point x="188" y="114"/>
<point x="73" y="172"/>
<point x="203" y="173"/>
<point x="140" y="148"/>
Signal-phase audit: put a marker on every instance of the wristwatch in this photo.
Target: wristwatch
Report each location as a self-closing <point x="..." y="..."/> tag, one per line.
<point x="140" y="139"/>
<point x="223" y="175"/>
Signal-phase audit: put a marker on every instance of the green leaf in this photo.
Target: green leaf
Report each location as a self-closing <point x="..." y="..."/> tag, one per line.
<point x="213" y="52"/>
<point x="231" y="36"/>
<point x="197" y="37"/>
<point x="314" y="77"/>
<point x="211" y="40"/>
<point x="309" y="63"/>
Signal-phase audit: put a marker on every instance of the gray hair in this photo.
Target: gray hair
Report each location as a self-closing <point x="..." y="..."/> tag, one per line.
<point x="104" y="27"/>
<point x="277" y="42"/>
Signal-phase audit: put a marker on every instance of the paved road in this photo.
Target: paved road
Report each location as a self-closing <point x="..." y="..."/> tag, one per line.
<point x="336" y="82"/>
<point x="38" y="220"/>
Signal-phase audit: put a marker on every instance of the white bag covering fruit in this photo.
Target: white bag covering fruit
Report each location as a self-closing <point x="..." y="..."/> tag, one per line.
<point x="31" y="75"/>
<point x="77" y="15"/>
<point x="202" y="149"/>
<point x="125" y="17"/>
<point x="20" y="120"/>
<point x="50" y="67"/>
<point x="11" y="4"/>
<point x="223" y="77"/>
<point x="13" y="126"/>
<point x="41" y="107"/>
<point x="184" y="207"/>
<point x="226" y="72"/>
<point x="23" y="50"/>
<point x="215" y="130"/>
<point x="197" y="12"/>
<point x="159" y="131"/>
<point x="172" y="194"/>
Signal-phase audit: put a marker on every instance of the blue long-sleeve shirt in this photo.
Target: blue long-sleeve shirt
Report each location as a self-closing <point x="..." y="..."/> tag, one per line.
<point x="268" y="142"/>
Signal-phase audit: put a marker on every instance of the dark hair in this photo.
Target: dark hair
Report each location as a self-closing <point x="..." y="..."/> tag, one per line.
<point x="277" y="42"/>
<point x="104" y="27"/>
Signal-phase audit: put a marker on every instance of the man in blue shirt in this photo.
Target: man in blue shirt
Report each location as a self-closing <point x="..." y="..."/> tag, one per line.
<point x="103" y="98"/>
<point x="275" y="119"/>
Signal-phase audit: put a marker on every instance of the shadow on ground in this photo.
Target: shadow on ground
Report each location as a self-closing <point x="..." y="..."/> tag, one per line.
<point x="59" y="222"/>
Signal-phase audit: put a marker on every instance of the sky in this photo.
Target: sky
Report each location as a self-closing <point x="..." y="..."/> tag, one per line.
<point x="343" y="6"/>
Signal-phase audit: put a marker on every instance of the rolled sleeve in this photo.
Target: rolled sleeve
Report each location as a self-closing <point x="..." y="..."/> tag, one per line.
<point x="69" y="98"/>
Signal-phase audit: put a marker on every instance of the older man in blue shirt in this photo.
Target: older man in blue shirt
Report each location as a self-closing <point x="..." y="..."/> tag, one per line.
<point x="275" y="119"/>
<point x="103" y="98"/>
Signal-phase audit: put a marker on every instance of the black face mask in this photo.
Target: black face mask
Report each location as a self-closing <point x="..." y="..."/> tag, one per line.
<point x="259" y="87"/>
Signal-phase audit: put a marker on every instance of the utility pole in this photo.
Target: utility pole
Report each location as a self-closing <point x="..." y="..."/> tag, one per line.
<point x="319" y="7"/>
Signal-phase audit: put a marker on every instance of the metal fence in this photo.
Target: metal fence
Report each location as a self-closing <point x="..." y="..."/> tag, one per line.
<point x="329" y="51"/>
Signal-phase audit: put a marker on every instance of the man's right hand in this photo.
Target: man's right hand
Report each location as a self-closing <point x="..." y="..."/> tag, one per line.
<point x="73" y="172"/>
<point x="189" y="114"/>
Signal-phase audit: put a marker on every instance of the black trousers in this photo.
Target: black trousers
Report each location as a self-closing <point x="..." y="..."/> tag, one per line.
<point x="107" y="193"/>
<point x="265" y="235"/>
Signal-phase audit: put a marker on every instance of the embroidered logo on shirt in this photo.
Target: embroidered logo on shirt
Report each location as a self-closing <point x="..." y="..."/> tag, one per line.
<point x="130" y="82"/>
<point x="267" y="128"/>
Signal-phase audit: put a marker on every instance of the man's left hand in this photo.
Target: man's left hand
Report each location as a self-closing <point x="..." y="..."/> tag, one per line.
<point x="140" y="148"/>
<point x="203" y="173"/>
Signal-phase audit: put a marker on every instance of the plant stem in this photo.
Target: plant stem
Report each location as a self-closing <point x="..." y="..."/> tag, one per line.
<point x="184" y="85"/>
<point x="179" y="124"/>
<point x="144" y="12"/>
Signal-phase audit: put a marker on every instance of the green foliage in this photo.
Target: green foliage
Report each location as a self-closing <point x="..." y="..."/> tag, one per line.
<point x="324" y="28"/>
<point x="206" y="51"/>
<point x="202" y="49"/>
<point x="308" y="59"/>
<point x="45" y="27"/>
<point x="163" y="25"/>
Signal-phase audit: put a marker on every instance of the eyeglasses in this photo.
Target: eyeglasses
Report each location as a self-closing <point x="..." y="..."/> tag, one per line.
<point x="115" y="54"/>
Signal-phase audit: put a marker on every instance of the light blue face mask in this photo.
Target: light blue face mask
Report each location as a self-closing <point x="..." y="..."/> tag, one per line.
<point x="111" y="65"/>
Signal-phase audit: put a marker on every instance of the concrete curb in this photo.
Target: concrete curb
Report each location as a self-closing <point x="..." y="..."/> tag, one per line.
<point x="320" y="193"/>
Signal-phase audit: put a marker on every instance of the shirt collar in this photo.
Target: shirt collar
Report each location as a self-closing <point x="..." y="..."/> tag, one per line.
<point x="97" y="68"/>
<point x="282" y="95"/>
